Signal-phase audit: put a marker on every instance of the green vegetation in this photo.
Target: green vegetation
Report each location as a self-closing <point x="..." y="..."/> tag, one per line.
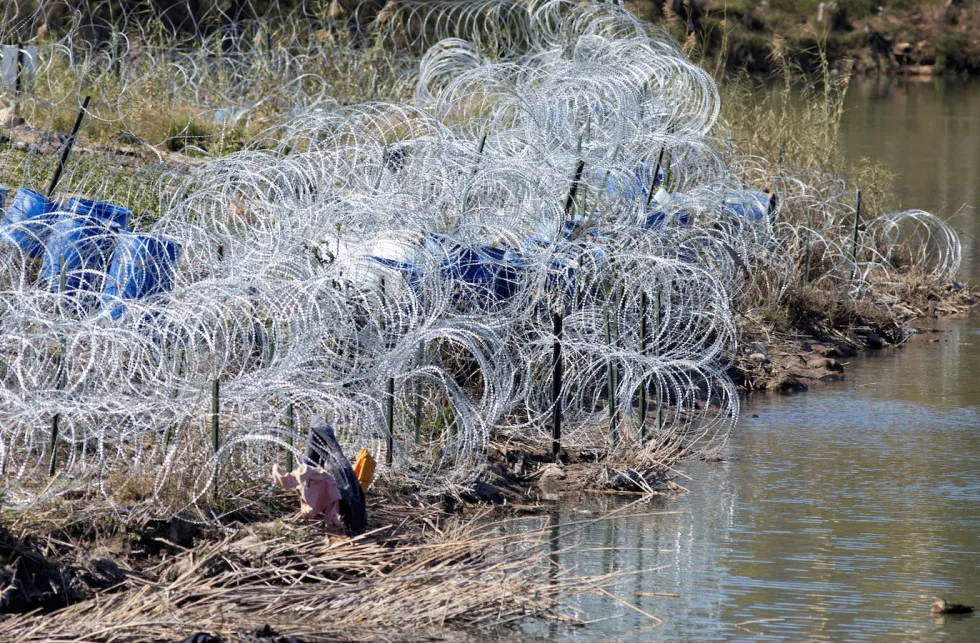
<point x="747" y="35"/>
<point x="742" y="33"/>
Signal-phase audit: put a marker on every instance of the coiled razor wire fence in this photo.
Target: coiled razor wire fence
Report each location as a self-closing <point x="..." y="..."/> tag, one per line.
<point x="397" y="266"/>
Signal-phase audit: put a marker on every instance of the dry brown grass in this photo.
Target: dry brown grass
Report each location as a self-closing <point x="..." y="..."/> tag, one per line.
<point x="164" y="100"/>
<point x="786" y="135"/>
<point x="417" y="573"/>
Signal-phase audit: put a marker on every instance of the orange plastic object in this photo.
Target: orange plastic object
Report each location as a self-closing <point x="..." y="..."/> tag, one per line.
<point x="364" y="468"/>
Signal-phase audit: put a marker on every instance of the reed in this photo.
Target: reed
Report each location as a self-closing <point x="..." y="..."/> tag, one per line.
<point x="427" y="574"/>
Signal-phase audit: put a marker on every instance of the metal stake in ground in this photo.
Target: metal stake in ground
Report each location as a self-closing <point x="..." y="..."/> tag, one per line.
<point x="390" y="420"/>
<point x="610" y="382"/>
<point x="290" y="426"/>
<point x="616" y="342"/>
<point x="479" y="151"/>
<point x="173" y="395"/>
<point x="643" y="352"/>
<point x="854" y="247"/>
<point x="556" y="376"/>
<point x="17" y="69"/>
<point x="58" y="375"/>
<point x="215" y="411"/>
<point x="215" y="437"/>
<point x="656" y="172"/>
<point x="117" y="54"/>
<point x="62" y="277"/>
<point x="570" y="199"/>
<point x="66" y="151"/>
<point x="389" y="394"/>
<point x="806" y="260"/>
<point x="418" y="395"/>
<point x="657" y="391"/>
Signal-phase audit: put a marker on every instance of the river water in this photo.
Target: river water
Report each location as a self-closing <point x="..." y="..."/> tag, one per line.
<point x="927" y="132"/>
<point x="837" y="514"/>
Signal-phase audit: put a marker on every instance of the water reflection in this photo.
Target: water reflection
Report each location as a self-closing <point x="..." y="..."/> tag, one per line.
<point x="839" y="515"/>
<point x="928" y="134"/>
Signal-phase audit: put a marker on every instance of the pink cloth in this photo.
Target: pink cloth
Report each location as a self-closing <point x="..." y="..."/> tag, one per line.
<point x="318" y="493"/>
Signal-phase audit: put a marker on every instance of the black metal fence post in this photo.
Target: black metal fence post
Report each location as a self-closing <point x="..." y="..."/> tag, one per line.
<point x="18" y="70"/>
<point x="556" y="382"/>
<point x="806" y="260"/>
<point x="643" y="352"/>
<point x="215" y="411"/>
<point x="390" y="420"/>
<point x="656" y="329"/>
<point x="854" y="246"/>
<point x="610" y="382"/>
<point x="418" y="396"/>
<point x="59" y="374"/>
<point x="70" y="143"/>
<point x="290" y="427"/>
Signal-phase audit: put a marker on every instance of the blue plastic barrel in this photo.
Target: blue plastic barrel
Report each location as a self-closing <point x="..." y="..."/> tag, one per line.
<point x="465" y="265"/>
<point x="86" y="243"/>
<point x="142" y="265"/>
<point x="35" y="213"/>
<point x="487" y="274"/>
<point x="657" y="215"/>
<point x="413" y="275"/>
<point x="751" y="204"/>
<point x="630" y="187"/>
<point x="507" y="269"/>
<point x="490" y="275"/>
<point x="101" y="210"/>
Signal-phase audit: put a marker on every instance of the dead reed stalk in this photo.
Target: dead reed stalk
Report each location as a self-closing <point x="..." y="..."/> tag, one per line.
<point x="318" y="588"/>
